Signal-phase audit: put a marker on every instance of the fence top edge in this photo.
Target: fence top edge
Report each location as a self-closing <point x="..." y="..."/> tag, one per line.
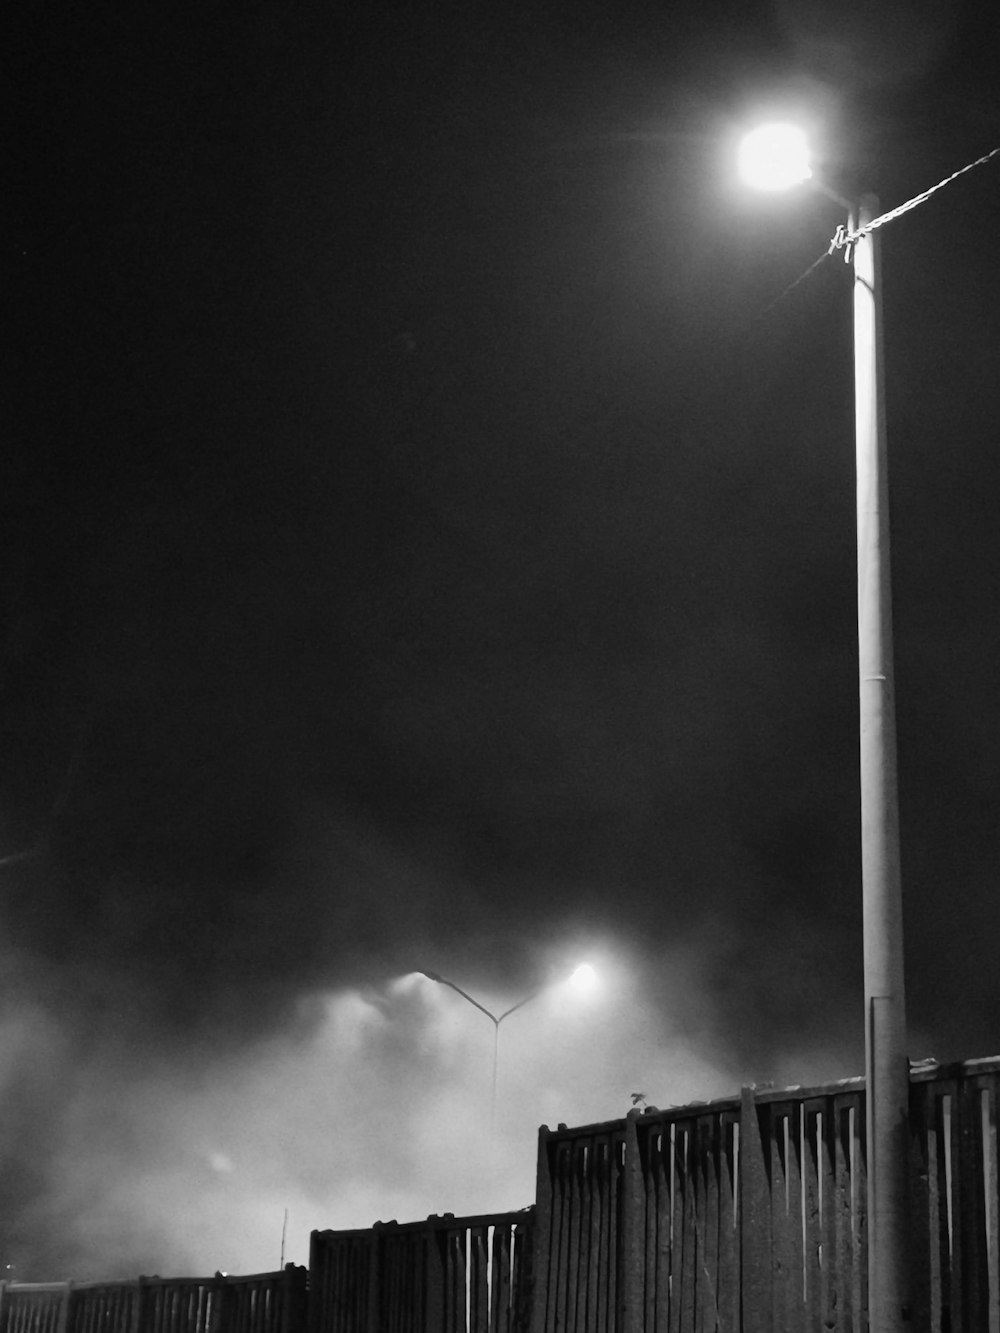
<point x="216" y="1279"/>
<point x="807" y="1093"/>
<point x="921" y="1071"/>
<point x="926" y="1071"/>
<point x="445" y="1222"/>
<point x="13" y="1286"/>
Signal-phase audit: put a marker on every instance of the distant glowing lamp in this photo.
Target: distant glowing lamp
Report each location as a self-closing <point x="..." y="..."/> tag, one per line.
<point x="774" y="157"/>
<point x="583" y="979"/>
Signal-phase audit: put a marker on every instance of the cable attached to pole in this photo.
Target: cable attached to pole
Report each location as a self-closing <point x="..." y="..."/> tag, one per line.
<point x="845" y="238"/>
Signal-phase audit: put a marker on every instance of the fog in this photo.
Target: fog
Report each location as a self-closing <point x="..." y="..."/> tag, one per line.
<point x="378" y="1107"/>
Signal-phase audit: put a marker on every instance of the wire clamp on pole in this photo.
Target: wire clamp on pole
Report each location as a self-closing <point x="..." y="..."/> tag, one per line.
<point x="844" y="240"/>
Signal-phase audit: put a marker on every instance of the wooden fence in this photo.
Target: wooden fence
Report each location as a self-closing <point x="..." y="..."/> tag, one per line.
<point x="749" y="1213"/>
<point x="743" y="1215"/>
<point x="262" y="1303"/>
<point x="445" y="1275"/>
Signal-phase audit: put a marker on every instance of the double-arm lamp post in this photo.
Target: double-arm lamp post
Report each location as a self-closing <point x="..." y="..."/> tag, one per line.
<point x="776" y="157"/>
<point x="583" y="974"/>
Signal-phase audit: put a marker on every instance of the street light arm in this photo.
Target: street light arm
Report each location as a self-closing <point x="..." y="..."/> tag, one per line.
<point x="520" y="1005"/>
<point x="443" y="981"/>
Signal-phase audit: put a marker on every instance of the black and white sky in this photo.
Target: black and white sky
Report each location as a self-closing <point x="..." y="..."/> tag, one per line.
<point x="427" y="543"/>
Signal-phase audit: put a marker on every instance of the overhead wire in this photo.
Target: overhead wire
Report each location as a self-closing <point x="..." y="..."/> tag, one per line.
<point x="845" y="237"/>
<point x="801" y="278"/>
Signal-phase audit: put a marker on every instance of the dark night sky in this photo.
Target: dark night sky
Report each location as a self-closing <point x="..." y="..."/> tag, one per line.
<point x="423" y="547"/>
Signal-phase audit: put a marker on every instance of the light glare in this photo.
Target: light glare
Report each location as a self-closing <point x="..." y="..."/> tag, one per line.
<point x="774" y="157"/>
<point x="584" y="978"/>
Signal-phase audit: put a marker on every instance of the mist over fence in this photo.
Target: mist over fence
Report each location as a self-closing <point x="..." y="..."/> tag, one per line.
<point x="746" y="1213"/>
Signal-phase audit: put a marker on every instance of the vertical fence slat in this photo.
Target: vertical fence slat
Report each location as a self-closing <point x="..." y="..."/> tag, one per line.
<point x="522" y="1277"/>
<point x="706" y="1166"/>
<point x="859" y="1205"/>
<point x="755" y="1214"/>
<point x="812" y="1165"/>
<point x="575" y="1301"/>
<point x="953" y="1298"/>
<point x="686" y="1278"/>
<point x="972" y="1206"/>
<point x="648" y="1143"/>
<point x="794" y="1288"/>
<point x="601" y="1262"/>
<point x="612" y="1227"/>
<point x="631" y="1271"/>
<point x="500" y="1288"/>
<point x="992" y="1202"/>
<point x="478" y="1281"/>
<point x="729" y="1257"/>
<point x="660" y="1175"/>
<point x="592" y="1223"/>
<point x="542" y="1234"/>
<point x="561" y="1229"/>
<point x="923" y="1237"/>
<point x="781" y="1256"/>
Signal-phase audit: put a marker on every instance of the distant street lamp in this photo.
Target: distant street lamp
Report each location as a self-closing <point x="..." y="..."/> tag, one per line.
<point x="776" y="158"/>
<point x="582" y="977"/>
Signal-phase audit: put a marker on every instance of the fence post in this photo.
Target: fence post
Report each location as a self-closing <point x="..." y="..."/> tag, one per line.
<point x="433" y="1277"/>
<point x="631" y="1289"/>
<point x="539" y="1289"/>
<point x="293" y="1299"/>
<point x="218" y="1319"/>
<point x="315" y="1284"/>
<point x="925" y="1260"/>
<point x="970" y="1219"/>
<point x="522" y="1276"/>
<point x="374" y="1247"/>
<point x="755" y="1220"/>
<point x="65" y="1324"/>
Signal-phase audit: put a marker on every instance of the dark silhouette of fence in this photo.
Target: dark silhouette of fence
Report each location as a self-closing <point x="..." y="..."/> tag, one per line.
<point x="749" y="1213"/>
<point x="743" y="1215"/>
<point x="262" y="1303"/>
<point x="445" y="1275"/>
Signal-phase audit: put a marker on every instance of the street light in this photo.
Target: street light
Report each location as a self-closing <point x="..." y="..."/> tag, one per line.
<point x="774" y="157"/>
<point x="583" y="978"/>
<point x="887" y="1084"/>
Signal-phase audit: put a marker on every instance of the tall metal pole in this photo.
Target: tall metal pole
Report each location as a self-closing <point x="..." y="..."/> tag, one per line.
<point x="886" y="1060"/>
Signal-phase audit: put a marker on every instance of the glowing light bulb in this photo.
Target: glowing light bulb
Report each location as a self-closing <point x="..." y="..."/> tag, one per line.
<point x="584" y="978"/>
<point x="774" y="157"/>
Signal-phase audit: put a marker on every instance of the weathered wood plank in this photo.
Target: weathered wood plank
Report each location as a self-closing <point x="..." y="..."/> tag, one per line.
<point x="479" y="1293"/>
<point x="971" y="1215"/>
<point x="542" y="1234"/>
<point x="631" y="1271"/>
<point x="576" y="1270"/>
<point x="706" y="1166"/>
<point x="729" y="1255"/>
<point x="678" y="1208"/>
<point x="813" y="1169"/>
<point x="755" y="1215"/>
<point x="684" y="1152"/>
<point x="991" y="1089"/>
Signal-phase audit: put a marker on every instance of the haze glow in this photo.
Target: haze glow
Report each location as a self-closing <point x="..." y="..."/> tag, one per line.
<point x="774" y="157"/>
